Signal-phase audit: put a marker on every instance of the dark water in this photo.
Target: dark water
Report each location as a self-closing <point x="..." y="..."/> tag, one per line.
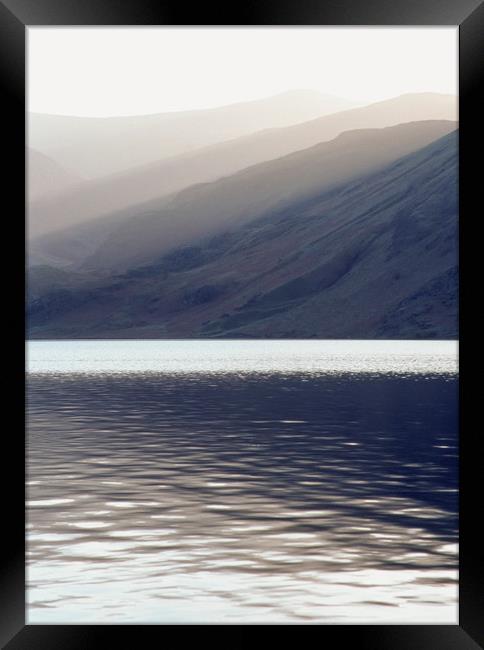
<point x="242" y="497"/>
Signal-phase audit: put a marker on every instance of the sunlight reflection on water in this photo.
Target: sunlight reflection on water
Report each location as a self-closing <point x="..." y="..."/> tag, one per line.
<point x="226" y="494"/>
<point x="192" y="357"/>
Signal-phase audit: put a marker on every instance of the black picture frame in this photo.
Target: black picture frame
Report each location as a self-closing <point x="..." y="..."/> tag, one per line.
<point x="15" y="17"/>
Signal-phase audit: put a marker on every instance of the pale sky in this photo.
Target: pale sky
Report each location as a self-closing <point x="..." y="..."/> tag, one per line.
<point x="132" y="71"/>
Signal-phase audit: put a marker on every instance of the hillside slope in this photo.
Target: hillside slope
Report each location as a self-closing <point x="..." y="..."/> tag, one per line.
<point x="211" y="208"/>
<point x="376" y="258"/>
<point x="102" y="196"/>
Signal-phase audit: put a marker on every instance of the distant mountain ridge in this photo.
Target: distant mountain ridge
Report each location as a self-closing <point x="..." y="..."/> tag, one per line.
<point x="128" y="141"/>
<point x="375" y="257"/>
<point x="46" y="177"/>
<point x="140" y="236"/>
<point x="155" y="181"/>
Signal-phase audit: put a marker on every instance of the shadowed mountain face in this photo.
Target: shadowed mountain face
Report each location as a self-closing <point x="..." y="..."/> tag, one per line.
<point x="101" y="196"/>
<point x="100" y="146"/>
<point x="374" y="258"/>
<point x="212" y="208"/>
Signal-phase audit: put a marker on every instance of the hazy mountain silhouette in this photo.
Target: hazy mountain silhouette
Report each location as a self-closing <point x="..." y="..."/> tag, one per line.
<point x="45" y="177"/>
<point x="229" y="202"/>
<point x="373" y="258"/>
<point x="95" y="146"/>
<point x="120" y="191"/>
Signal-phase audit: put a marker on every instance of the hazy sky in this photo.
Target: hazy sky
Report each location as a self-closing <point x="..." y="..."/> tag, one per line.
<point x="129" y="71"/>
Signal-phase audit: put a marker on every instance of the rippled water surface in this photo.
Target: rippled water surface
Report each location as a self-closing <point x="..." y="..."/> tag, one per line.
<point x="258" y="481"/>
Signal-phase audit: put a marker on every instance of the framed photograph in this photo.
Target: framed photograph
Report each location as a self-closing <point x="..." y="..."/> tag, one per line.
<point x="241" y="321"/>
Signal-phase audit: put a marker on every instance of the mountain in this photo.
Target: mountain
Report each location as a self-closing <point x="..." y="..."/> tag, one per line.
<point x="46" y="178"/>
<point x="153" y="181"/>
<point x="95" y="146"/>
<point x="229" y="202"/>
<point x="374" y="258"/>
<point x="47" y="279"/>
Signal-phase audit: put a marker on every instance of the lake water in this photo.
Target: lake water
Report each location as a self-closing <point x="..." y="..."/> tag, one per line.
<point x="242" y="481"/>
